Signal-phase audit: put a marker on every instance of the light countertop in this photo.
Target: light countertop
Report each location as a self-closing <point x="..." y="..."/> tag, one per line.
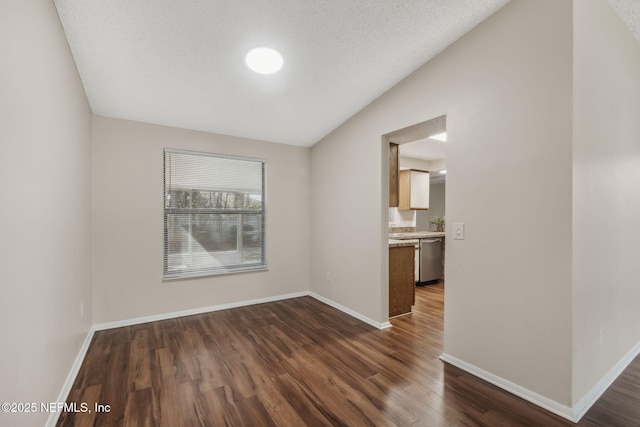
<point x="416" y="235"/>
<point x="395" y="243"/>
<point x="397" y="240"/>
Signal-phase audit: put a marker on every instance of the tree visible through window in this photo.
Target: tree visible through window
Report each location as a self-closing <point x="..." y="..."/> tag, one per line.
<point x="214" y="214"/>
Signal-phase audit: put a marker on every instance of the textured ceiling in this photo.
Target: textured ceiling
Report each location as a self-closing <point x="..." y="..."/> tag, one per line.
<point x="181" y="63"/>
<point x="629" y="11"/>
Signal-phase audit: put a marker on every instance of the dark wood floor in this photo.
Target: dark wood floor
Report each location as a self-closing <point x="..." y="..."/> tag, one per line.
<point x="299" y="362"/>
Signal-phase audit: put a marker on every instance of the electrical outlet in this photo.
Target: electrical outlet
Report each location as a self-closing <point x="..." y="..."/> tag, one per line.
<point x="328" y="276"/>
<point x="82" y="310"/>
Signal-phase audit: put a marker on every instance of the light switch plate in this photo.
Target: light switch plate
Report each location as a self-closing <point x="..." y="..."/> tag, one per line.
<point x="458" y="231"/>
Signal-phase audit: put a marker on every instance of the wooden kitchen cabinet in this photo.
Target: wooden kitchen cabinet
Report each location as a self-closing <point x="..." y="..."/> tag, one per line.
<point x="394" y="186"/>
<point x="401" y="280"/>
<point x="414" y="189"/>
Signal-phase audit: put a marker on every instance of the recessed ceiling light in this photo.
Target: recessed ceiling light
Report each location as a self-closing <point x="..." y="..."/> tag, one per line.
<point x="264" y="60"/>
<point x="440" y="136"/>
<point x="443" y="171"/>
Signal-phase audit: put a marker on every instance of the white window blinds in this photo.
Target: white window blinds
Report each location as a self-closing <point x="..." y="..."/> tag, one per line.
<point x="214" y="214"/>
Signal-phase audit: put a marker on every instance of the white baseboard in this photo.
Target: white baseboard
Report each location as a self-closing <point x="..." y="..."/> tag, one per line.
<point x="73" y="373"/>
<point x="583" y="405"/>
<point x="365" y="319"/>
<point x="208" y="309"/>
<point x="71" y="377"/>
<point x="191" y="312"/>
<point x="533" y="397"/>
<point x="574" y="413"/>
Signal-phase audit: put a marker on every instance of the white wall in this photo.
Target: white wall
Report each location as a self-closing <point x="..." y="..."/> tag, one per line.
<point x="402" y="218"/>
<point x="347" y="220"/>
<point x="437" y="202"/>
<point x="128" y="222"/>
<point x="606" y="196"/>
<point x="506" y="90"/>
<point x="45" y="183"/>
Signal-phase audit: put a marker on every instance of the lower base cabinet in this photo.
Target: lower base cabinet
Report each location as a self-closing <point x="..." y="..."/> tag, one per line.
<point x="401" y="279"/>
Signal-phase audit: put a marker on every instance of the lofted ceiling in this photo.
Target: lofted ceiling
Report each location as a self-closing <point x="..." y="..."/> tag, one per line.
<point x="629" y="11"/>
<point x="181" y="63"/>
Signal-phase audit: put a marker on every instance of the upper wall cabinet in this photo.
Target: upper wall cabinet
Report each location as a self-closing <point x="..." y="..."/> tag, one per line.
<point x="414" y="189"/>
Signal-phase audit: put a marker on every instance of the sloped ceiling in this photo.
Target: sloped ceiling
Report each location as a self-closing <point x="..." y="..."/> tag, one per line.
<point x="181" y="63"/>
<point x="629" y="11"/>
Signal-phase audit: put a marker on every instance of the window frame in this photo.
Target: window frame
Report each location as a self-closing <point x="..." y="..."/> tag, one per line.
<point x="169" y="274"/>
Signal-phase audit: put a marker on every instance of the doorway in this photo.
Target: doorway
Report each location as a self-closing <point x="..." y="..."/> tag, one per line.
<point x="418" y="150"/>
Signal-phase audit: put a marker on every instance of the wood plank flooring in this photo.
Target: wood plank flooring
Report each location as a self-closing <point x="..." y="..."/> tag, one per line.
<point x="300" y="362"/>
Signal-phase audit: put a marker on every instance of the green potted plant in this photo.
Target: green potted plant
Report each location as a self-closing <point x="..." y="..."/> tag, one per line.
<point x="437" y="223"/>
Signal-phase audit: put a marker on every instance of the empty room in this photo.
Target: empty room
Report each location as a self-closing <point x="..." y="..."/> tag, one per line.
<point x="215" y="212"/>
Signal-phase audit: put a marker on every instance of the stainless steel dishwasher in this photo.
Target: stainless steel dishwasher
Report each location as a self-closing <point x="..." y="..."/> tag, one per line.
<point x="430" y="260"/>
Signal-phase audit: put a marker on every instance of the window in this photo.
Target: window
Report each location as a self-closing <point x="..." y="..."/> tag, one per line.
<point x="214" y="214"/>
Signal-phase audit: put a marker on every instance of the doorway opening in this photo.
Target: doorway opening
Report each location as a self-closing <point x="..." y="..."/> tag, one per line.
<point x="417" y="208"/>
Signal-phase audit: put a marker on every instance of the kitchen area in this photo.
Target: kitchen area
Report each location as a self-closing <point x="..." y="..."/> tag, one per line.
<point x="417" y="183"/>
